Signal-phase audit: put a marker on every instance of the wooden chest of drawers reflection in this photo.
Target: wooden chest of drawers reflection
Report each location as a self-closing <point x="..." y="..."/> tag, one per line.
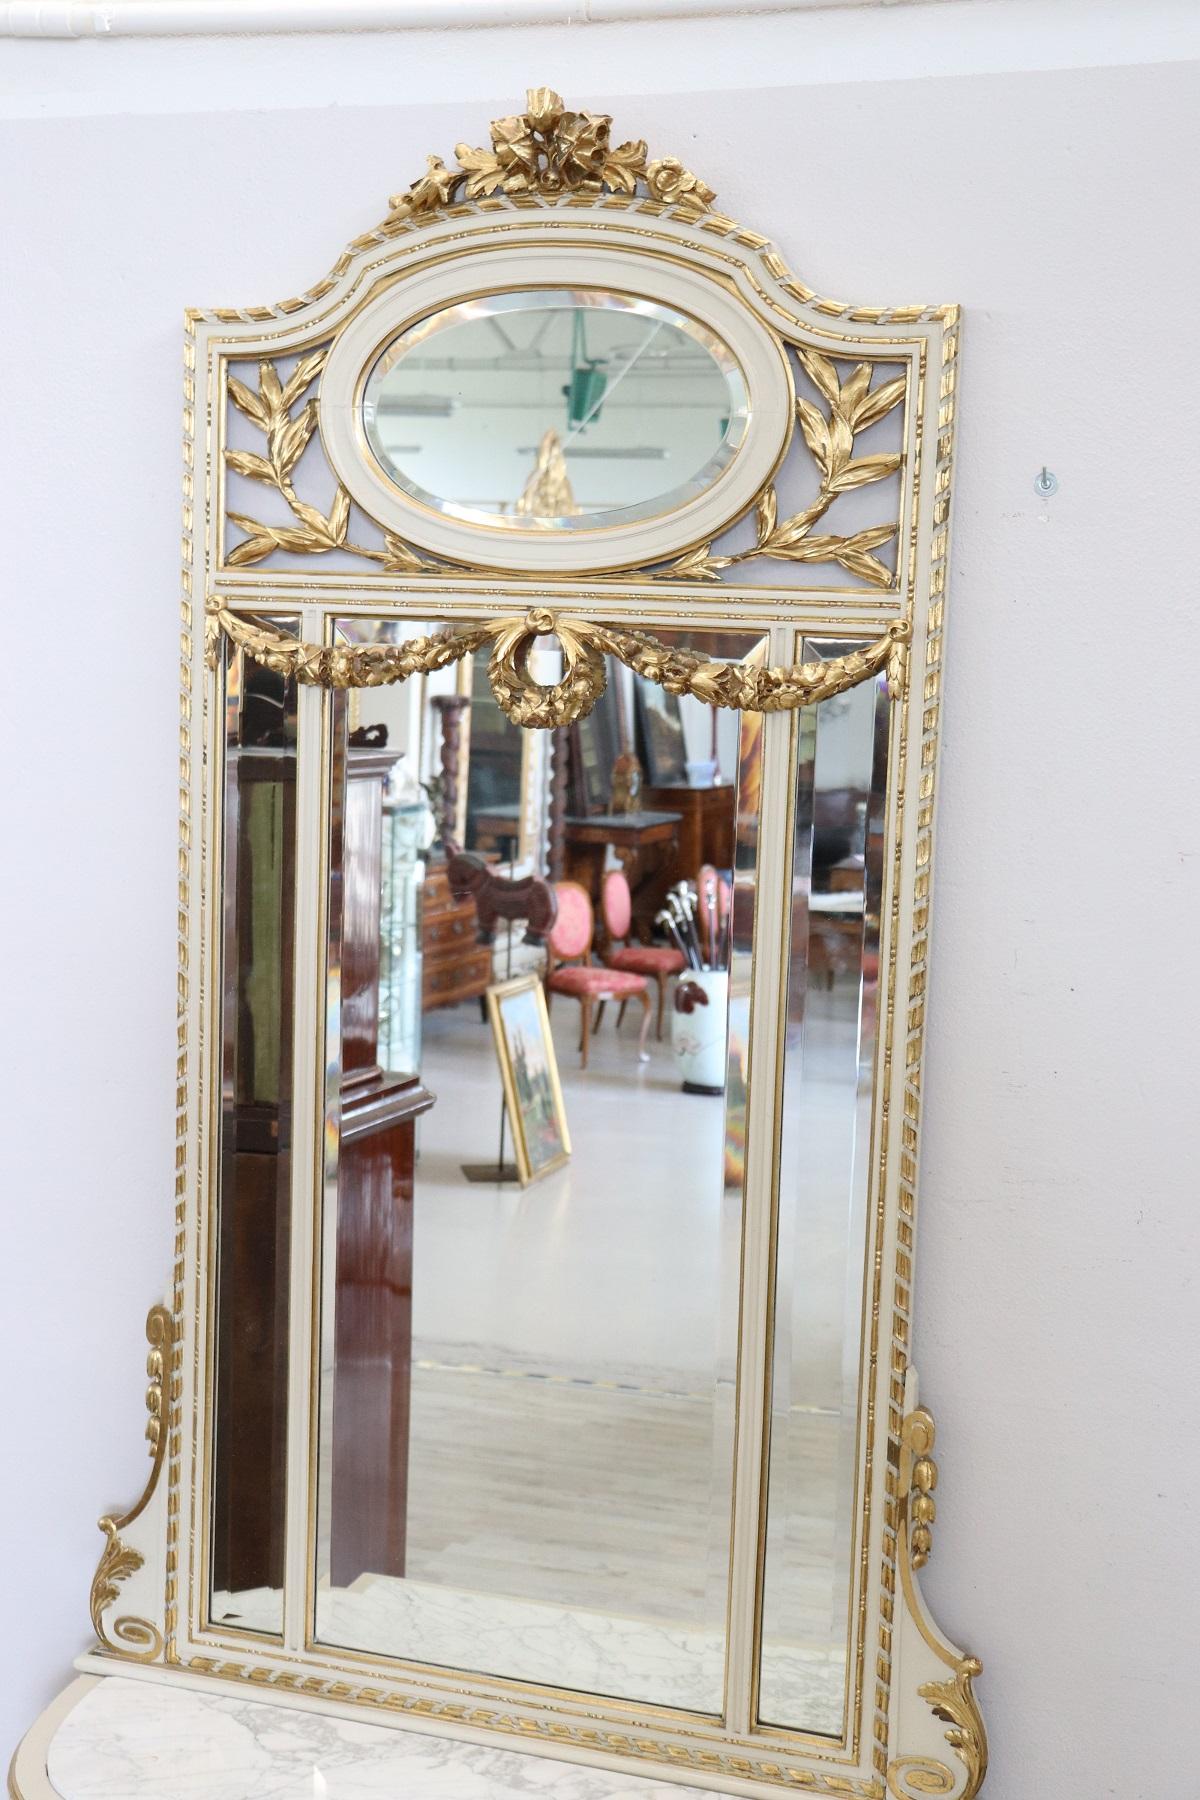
<point x="454" y="966"/>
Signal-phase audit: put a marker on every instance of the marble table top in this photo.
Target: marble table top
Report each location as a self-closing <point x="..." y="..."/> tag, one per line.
<point x="143" y="1740"/>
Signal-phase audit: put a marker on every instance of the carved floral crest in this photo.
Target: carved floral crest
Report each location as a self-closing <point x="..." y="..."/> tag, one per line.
<point x="549" y="149"/>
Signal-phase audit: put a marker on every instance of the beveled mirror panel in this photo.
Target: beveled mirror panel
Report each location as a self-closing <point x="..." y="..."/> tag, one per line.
<point x="540" y="1488"/>
<point x="826" y="1108"/>
<point x="555" y="409"/>
<point x="256" y="1132"/>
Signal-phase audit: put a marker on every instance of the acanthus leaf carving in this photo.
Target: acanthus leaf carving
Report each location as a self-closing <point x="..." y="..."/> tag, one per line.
<point x="135" y="1639"/>
<point x="952" y="1697"/>
<point x="953" y="1701"/>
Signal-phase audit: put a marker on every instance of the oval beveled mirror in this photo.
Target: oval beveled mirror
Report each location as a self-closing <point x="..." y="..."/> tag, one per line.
<point x="555" y="409"/>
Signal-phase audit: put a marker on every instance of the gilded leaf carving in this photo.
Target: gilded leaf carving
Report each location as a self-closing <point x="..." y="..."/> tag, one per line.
<point x="249" y="402"/>
<point x="288" y="434"/>
<point x="255" y="468"/>
<point x="878" y="404"/>
<point x="954" y="1702"/>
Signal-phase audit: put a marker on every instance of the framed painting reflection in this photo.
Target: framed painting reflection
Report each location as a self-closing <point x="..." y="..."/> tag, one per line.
<point x="529" y="1072"/>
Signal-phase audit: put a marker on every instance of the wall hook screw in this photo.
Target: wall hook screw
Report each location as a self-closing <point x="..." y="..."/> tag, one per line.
<point x="1045" y="483"/>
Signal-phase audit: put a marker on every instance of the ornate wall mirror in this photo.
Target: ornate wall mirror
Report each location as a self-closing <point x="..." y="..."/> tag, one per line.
<point x="564" y="592"/>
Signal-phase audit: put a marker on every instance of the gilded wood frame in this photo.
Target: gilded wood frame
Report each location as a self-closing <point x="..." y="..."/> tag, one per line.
<point x="553" y="177"/>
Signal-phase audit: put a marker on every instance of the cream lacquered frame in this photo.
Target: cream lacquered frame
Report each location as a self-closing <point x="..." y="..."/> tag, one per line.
<point x="553" y="185"/>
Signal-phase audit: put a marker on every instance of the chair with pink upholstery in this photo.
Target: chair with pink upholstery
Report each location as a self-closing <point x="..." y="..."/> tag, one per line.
<point x="570" y="970"/>
<point x="657" y="960"/>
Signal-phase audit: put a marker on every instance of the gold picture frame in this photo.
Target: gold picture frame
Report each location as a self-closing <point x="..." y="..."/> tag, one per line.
<point x="531" y="1083"/>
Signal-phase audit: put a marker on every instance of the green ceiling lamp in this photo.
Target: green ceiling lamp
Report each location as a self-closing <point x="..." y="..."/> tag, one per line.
<point x="586" y="389"/>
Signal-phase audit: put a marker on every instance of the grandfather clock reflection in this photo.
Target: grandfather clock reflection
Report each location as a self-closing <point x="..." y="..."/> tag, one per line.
<point x="370" y="1254"/>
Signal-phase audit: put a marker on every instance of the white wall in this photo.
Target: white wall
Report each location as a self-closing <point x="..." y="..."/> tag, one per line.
<point x="1057" y="1336"/>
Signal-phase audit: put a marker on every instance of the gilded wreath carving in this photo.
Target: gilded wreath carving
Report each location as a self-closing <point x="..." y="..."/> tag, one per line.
<point x="743" y="686"/>
<point x="137" y="1640"/>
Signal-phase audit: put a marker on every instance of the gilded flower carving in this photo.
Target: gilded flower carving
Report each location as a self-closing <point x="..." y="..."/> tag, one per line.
<point x="668" y="180"/>
<point x="549" y="149"/>
<point x="577" y="150"/>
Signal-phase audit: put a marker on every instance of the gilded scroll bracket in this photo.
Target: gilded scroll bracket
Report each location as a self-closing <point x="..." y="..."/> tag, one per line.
<point x="744" y="687"/>
<point x="951" y="1697"/>
<point x="135" y="1639"/>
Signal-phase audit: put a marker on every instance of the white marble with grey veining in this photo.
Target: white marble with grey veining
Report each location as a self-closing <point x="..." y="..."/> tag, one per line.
<point x="597" y="1653"/>
<point x="140" y="1740"/>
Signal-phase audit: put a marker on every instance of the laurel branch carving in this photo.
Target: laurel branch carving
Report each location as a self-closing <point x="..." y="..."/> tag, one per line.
<point x="584" y="645"/>
<point x="272" y="409"/>
<point x="135" y="1639"/>
<point x="853" y="406"/>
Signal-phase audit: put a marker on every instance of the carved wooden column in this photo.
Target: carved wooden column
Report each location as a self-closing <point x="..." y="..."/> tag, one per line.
<point x="556" y="837"/>
<point x="452" y="707"/>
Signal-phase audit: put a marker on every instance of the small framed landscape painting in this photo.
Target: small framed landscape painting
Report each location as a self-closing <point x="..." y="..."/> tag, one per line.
<point x="529" y="1070"/>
